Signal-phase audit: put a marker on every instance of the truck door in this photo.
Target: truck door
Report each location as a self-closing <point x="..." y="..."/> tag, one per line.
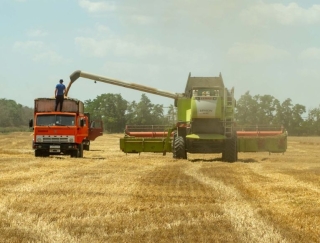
<point x="95" y="130"/>
<point x="83" y="129"/>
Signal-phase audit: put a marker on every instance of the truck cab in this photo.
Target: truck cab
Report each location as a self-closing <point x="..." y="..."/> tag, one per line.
<point x="68" y="132"/>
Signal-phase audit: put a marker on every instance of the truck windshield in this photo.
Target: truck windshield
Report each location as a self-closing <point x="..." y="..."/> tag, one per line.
<point x="55" y="120"/>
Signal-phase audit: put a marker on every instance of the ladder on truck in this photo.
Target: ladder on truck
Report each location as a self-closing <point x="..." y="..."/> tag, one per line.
<point x="228" y="120"/>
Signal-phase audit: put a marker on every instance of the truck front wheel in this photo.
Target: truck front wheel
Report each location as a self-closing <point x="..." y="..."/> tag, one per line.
<point x="37" y="153"/>
<point x="74" y="153"/>
<point x="80" y="150"/>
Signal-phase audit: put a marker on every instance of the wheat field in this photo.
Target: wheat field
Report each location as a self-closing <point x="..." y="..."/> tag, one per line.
<point x="109" y="196"/>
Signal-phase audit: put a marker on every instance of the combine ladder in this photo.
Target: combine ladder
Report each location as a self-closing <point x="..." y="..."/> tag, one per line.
<point x="228" y="113"/>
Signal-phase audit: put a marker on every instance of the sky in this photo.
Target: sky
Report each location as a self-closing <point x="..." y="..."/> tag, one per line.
<point x="262" y="46"/>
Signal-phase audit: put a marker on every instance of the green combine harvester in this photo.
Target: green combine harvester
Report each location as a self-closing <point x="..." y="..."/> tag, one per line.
<point x="205" y="115"/>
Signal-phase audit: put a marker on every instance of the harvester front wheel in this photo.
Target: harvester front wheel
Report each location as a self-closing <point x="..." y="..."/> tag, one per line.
<point x="231" y="152"/>
<point x="172" y="144"/>
<point x="179" y="148"/>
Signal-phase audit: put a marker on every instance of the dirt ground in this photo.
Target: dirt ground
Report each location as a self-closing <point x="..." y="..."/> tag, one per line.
<point x="109" y="196"/>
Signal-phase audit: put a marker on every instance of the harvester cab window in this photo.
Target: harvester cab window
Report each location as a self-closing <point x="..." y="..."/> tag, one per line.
<point x="205" y="93"/>
<point x="216" y="92"/>
<point x="195" y="92"/>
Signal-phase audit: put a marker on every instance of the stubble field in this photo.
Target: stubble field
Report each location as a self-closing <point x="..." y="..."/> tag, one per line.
<point x="109" y="196"/>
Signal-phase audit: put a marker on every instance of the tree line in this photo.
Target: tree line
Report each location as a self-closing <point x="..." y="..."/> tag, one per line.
<point x="116" y="113"/>
<point x="14" y="116"/>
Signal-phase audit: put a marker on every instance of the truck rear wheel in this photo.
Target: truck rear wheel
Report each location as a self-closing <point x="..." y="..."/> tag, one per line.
<point x="179" y="148"/>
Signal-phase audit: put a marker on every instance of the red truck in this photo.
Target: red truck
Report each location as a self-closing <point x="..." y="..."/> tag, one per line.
<point x="68" y="132"/>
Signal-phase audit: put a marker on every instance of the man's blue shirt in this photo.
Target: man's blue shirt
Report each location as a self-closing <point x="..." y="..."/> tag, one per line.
<point x="60" y="88"/>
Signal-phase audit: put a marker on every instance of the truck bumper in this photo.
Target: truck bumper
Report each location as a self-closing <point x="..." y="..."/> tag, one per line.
<point x="47" y="149"/>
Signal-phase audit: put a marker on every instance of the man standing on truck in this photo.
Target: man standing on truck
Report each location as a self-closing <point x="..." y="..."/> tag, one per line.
<point x="59" y="94"/>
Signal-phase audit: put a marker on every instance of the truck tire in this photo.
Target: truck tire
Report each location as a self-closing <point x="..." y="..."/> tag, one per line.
<point x="80" y="150"/>
<point x="37" y="153"/>
<point x="231" y="152"/>
<point x="74" y="153"/>
<point x="40" y="153"/>
<point x="179" y="148"/>
<point x="86" y="147"/>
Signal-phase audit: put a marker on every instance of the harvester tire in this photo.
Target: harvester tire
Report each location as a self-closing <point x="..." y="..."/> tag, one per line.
<point x="172" y="144"/>
<point x="179" y="148"/>
<point x="231" y="152"/>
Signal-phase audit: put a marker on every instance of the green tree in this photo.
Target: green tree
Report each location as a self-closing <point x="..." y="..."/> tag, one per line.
<point x="172" y="115"/>
<point x="145" y="113"/>
<point x="131" y="115"/>
<point x="111" y="108"/>
<point x="297" y="122"/>
<point x="13" y="115"/>
<point x="312" y="123"/>
<point x="247" y="110"/>
<point x="267" y="110"/>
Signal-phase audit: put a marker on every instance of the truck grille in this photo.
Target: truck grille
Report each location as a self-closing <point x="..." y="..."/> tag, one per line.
<point x="55" y="140"/>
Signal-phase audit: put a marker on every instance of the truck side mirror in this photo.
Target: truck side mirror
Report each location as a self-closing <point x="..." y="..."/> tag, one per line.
<point x="82" y="122"/>
<point x="30" y="123"/>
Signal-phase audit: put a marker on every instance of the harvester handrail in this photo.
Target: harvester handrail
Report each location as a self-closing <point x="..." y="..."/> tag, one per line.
<point x="77" y="74"/>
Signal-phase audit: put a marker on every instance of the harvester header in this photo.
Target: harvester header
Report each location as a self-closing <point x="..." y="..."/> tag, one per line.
<point x="77" y="74"/>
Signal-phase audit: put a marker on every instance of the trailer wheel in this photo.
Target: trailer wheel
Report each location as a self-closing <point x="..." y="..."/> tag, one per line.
<point x="231" y="152"/>
<point x="179" y="148"/>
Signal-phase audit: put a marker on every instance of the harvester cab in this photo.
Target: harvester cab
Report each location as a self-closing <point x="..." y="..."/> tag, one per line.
<point x="207" y="119"/>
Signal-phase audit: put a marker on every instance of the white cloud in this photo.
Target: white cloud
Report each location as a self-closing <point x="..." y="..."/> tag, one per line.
<point x="36" y="33"/>
<point x="309" y="73"/>
<point x="255" y="52"/>
<point x="119" y="47"/>
<point x="311" y="53"/>
<point x="264" y="14"/>
<point x="39" y="52"/>
<point x="142" y="19"/>
<point x="28" y="45"/>
<point x="97" y="7"/>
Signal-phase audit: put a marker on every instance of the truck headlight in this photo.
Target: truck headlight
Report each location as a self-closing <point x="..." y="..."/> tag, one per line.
<point x="39" y="139"/>
<point x="70" y="140"/>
